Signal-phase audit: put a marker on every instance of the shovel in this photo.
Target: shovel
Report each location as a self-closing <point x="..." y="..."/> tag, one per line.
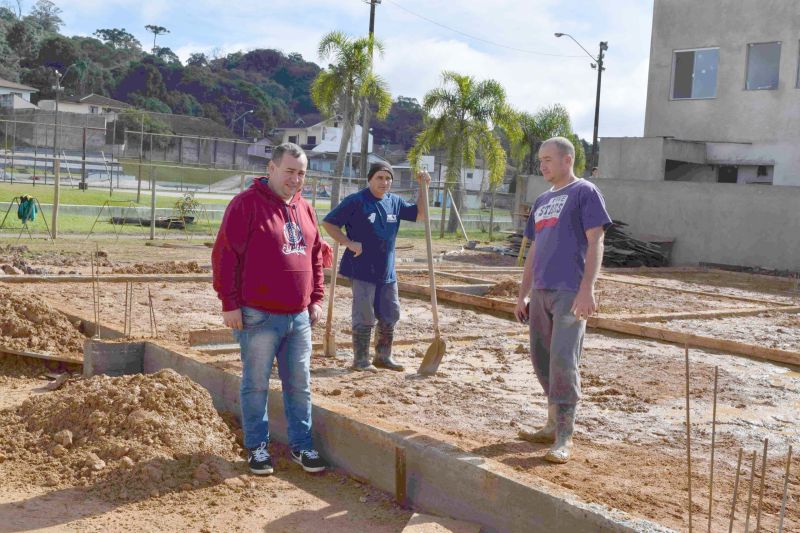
<point x="329" y="341"/>
<point x="430" y="363"/>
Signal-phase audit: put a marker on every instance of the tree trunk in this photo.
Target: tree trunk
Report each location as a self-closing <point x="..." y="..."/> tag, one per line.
<point x="338" y="168"/>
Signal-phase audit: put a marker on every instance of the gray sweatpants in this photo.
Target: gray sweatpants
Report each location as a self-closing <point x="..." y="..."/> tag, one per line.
<point x="556" y="344"/>
<point x="371" y="301"/>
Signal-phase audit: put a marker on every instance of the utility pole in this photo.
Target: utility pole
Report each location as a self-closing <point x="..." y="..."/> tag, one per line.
<point x="364" y="102"/>
<point x="600" y="68"/>
<point x="598" y="64"/>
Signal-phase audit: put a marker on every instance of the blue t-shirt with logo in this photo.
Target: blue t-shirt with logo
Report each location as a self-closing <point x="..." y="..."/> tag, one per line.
<point x="374" y="223"/>
<point x="558" y="223"/>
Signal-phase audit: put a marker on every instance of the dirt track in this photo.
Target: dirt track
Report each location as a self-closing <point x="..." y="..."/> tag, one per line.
<point x="630" y="445"/>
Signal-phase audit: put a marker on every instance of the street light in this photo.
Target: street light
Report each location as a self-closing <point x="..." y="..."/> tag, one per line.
<point x="56" y="171"/>
<point x="598" y="64"/>
<point x="243" y="115"/>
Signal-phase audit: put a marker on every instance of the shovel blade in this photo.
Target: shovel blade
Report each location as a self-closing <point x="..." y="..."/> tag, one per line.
<point x="433" y="357"/>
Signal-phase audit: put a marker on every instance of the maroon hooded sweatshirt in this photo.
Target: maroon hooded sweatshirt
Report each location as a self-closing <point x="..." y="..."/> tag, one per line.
<point x="268" y="254"/>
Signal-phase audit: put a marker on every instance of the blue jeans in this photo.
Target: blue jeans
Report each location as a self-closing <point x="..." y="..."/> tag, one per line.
<point x="371" y="300"/>
<point x="266" y="336"/>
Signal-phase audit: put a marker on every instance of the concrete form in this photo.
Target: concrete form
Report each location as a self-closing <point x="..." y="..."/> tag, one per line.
<point x="439" y="478"/>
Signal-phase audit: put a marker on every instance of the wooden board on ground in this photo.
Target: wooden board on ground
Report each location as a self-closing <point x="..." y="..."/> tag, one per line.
<point x="44" y="356"/>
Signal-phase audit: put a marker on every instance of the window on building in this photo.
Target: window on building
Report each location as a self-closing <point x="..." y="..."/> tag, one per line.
<point x="293" y="139"/>
<point x="727" y="174"/>
<point x="763" y="62"/>
<point x="312" y="139"/>
<point x="694" y="73"/>
<point x="797" y="84"/>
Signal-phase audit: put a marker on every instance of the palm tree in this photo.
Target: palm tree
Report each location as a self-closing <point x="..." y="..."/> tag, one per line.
<point x="548" y="122"/>
<point x="463" y="114"/>
<point x="340" y="88"/>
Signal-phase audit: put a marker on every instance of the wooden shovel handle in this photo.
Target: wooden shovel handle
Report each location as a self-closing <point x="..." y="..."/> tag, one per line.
<point x="431" y="274"/>
<point x="329" y="320"/>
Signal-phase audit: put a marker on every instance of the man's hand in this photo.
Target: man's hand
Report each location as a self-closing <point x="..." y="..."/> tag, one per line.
<point x="233" y="319"/>
<point x="521" y="311"/>
<point x="354" y="247"/>
<point x="423" y="177"/>
<point x="584" y="305"/>
<point x="314" y="313"/>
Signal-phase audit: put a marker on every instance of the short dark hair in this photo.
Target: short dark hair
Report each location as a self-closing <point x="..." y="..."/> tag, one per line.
<point x="594" y="168"/>
<point x="286" y="148"/>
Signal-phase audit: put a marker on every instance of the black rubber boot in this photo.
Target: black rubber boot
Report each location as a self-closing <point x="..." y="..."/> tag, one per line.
<point x="383" y="348"/>
<point x="361" y="338"/>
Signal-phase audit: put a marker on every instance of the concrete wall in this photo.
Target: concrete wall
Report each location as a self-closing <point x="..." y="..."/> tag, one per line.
<point x="767" y="118"/>
<point x="632" y="158"/>
<point x="748" y="225"/>
<point x="35" y="128"/>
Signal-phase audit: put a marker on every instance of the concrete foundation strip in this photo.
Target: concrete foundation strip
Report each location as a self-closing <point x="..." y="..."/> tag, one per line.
<point x="439" y="478"/>
<point x="716" y="313"/>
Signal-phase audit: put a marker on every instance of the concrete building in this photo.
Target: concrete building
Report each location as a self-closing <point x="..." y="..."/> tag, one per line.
<point x="723" y="96"/>
<point x="15" y="95"/>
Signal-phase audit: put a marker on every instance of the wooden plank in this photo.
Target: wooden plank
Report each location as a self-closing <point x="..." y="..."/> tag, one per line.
<point x="44" y="356"/>
<point x="690" y="291"/>
<point x="698" y="341"/>
<point x="717" y="313"/>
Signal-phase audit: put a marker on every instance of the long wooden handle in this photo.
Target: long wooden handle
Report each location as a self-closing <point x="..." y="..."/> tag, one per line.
<point x="329" y="320"/>
<point x="431" y="274"/>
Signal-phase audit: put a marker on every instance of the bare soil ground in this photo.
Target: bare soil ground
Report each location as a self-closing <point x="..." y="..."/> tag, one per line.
<point x="619" y="298"/>
<point x="630" y="445"/>
<point x="771" y="330"/>
<point x="150" y="453"/>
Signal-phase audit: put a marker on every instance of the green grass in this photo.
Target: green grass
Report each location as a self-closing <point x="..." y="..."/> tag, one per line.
<point x="81" y="224"/>
<point x="71" y="196"/>
<point x="202" y="176"/>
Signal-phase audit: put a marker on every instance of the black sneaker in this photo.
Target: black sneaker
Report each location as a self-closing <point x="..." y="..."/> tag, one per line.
<point x="259" y="460"/>
<point x="309" y="460"/>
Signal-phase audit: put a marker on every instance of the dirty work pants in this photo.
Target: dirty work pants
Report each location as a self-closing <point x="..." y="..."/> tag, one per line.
<point x="264" y="338"/>
<point x="556" y="342"/>
<point x="372" y="301"/>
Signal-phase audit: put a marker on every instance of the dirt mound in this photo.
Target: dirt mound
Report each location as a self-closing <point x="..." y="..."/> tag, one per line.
<point x="28" y="324"/>
<point x="127" y="438"/>
<point x="504" y="289"/>
<point x="165" y="267"/>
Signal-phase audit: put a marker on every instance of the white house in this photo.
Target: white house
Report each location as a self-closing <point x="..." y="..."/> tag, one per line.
<point x="92" y="104"/>
<point x="15" y="95"/>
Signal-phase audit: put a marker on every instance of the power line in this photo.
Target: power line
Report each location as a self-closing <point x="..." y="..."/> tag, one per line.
<point x="476" y="38"/>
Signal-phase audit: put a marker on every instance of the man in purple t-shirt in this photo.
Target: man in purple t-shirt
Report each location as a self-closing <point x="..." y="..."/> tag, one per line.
<point x="566" y="228"/>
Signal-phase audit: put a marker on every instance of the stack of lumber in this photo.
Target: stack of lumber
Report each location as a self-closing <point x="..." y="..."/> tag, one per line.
<point x="621" y="249"/>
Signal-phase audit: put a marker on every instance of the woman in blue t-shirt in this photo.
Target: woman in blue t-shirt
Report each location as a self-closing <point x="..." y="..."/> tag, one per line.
<point x="371" y="218"/>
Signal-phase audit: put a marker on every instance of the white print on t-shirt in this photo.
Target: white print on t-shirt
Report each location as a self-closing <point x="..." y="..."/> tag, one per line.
<point x="391" y="218"/>
<point x="371" y="218"/>
<point x="546" y="216"/>
<point x="295" y="243"/>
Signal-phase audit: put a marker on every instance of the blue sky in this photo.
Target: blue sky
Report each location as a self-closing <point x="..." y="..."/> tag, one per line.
<point x="417" y="50"/>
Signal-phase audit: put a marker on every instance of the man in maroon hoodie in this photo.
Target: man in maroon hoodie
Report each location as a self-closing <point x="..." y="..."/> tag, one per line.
<point x="267" y="263"/>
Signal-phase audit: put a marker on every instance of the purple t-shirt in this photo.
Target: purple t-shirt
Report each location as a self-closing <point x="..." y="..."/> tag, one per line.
<point x="558" y="224"/>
